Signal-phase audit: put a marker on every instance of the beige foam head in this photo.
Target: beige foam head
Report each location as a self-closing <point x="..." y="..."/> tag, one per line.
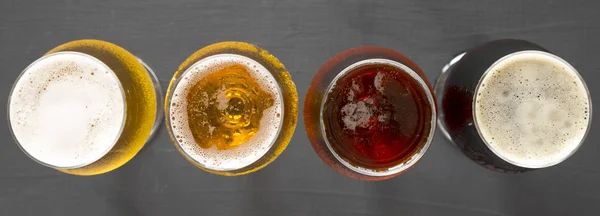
<point x="532" y="109"/>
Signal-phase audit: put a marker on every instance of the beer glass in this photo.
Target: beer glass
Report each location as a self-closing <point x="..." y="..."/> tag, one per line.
<point x="86" y="107"/>
<point x="231" y="108"/>
<point x="513" y="106"/>
<point x="370" y="113"/>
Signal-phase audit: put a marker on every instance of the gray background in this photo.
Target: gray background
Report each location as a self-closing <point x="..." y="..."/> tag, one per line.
<point x="303" y="34"/>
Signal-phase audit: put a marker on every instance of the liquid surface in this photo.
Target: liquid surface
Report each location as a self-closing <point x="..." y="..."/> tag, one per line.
<point x="532" y="109"/>
<point x="67" y="110"/>
<point x="225" y="108"/>
<point x="379" y="118"/>
<point x="226" y="111"/>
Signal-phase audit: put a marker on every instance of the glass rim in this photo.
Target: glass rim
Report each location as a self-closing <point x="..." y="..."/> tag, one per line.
<point x="554" y="57"/>
<point x="108" y="149"/>
<point x="414" y="157"/>
<point x="175" y="84"/>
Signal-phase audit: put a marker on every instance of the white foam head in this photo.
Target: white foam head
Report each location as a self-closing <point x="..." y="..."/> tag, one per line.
<point x="245" y="154"/>
<point x="67" y="109"/>
<point x="532" y="109"/>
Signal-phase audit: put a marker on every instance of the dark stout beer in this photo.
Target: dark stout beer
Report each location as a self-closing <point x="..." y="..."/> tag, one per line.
<point x="512" y="106"/>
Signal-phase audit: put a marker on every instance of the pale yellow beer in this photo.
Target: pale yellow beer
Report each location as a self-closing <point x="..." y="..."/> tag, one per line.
<point x="231" y="108"/>
<point x="86" y="107"/>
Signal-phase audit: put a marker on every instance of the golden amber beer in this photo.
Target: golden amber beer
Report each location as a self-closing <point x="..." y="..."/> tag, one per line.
<point x="86" y="107"/>
<point x="231" y="108"/>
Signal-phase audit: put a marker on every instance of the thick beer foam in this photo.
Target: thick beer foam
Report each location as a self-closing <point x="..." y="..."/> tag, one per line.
<point x="245" y="154"/>
<point x="67" y="109"/>
<point x="532" y="109"/>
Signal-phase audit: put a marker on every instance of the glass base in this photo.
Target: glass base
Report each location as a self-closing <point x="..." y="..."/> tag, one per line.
<point x="159" y="99"/>
<point x="440" y="84"/>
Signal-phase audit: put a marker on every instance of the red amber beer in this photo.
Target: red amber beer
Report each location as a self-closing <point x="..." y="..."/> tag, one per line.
<point x="370" y="113"/>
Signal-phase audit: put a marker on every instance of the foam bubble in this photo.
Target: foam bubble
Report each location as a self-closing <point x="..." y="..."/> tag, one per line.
<point x="245" y="154"/>
<point x="67" y="109"/>
<point x="532" y="109"/>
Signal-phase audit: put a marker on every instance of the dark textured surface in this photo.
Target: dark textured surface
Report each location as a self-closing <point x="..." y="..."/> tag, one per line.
<point x="303" y="35"/>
